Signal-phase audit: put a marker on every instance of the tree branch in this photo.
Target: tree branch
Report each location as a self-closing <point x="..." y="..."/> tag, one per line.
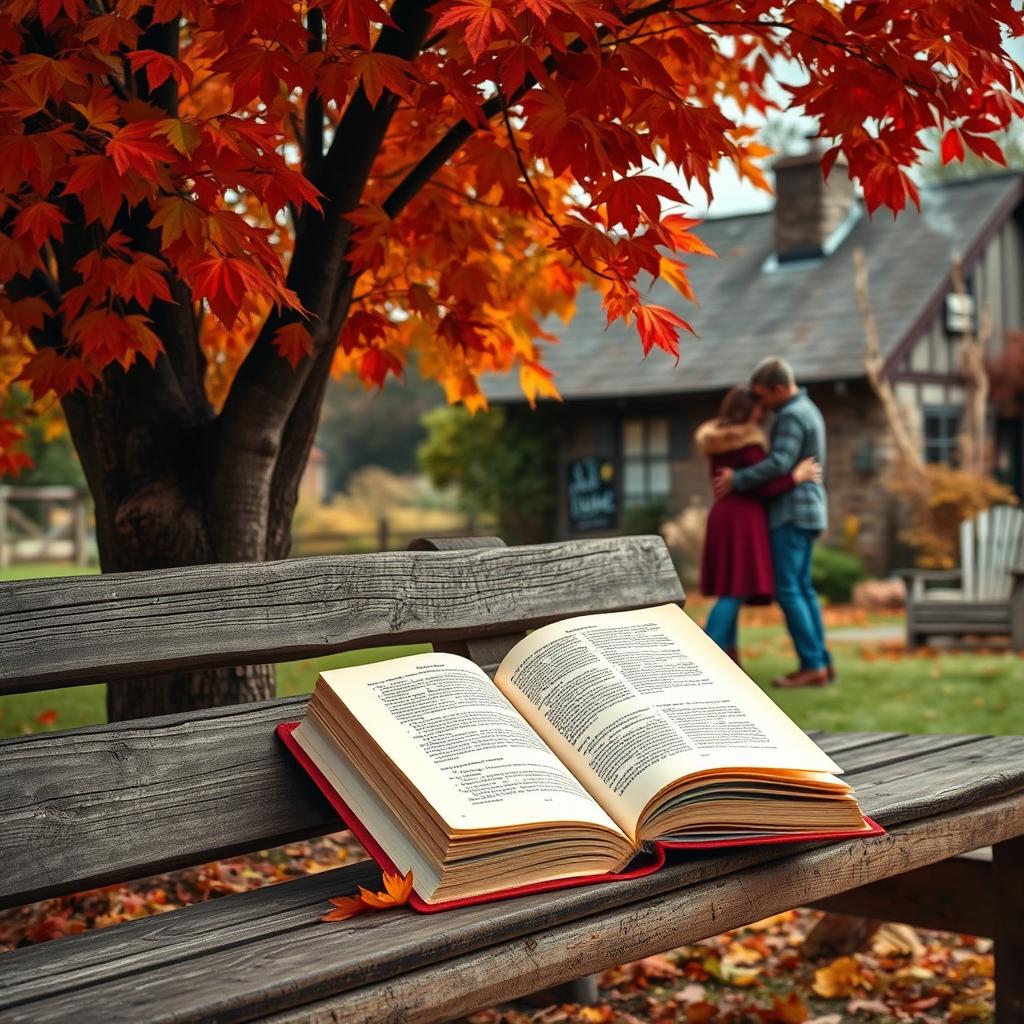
<point x="313" y="128"/>
<point x="446" y="147"/>
<point x="165" y="38"/>
<point x="256" y="426"/>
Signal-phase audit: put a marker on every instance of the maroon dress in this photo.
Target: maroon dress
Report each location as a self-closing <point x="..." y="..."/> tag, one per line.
<point x="737" y="559"/>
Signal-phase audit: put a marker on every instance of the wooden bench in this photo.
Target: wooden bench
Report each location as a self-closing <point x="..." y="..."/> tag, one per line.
<point x="985" y="595"/>
<point x="94" y="806"/>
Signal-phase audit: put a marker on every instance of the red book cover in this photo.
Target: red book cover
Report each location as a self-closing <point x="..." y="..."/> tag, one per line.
<point x="644" y="864"/>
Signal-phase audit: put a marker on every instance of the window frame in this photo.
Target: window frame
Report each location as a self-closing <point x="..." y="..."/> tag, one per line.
<point x="945" y="448"/>
<point x="645" y="458"/>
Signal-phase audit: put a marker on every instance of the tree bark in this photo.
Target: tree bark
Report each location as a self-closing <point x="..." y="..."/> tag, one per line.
<point x="143" y="446"/>
<point x="146" y="696"/>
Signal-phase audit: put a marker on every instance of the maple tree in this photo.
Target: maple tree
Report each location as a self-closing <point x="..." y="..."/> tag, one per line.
<point x="210" y="205"/>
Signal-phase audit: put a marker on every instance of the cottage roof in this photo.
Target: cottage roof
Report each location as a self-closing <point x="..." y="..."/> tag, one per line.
<point x="805" y="312"/>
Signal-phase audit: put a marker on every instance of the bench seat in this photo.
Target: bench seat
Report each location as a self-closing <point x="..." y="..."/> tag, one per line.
<point x="264" y="955"/>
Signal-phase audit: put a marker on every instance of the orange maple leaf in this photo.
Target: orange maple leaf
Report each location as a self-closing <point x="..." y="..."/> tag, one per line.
<point x="397" y="889"/>
<point x="345" y="907"/>
<point x="658" y="326"/>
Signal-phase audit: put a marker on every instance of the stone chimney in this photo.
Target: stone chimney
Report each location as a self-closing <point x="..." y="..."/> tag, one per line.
<point x="808" y="210"/>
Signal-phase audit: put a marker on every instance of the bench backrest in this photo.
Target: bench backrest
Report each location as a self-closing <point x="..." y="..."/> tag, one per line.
<point x="990" y="546"/>
<point x="106" y="804"/>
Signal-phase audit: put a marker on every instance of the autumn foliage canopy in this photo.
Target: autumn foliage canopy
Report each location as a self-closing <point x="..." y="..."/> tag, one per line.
<point x="256" y="192"/>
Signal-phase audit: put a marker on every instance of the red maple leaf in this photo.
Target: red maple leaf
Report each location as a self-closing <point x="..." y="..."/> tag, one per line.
<point x="39" y="222"/>
<point x="293" y="342"/>
<point x="659" y="327"/>
<point x="159" y="67"/>
<point x="96" y="182"/>
<point x="482" y="20"/>
<point x="952" y="146"/>
<point x="134" y="148"/>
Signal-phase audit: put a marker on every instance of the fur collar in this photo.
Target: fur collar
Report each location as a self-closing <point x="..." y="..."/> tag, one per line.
<point x="714" y="438"/>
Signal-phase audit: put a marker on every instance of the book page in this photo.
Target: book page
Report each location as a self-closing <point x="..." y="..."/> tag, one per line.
<point x="460" y="742"/>
<point x="633" y="701"/>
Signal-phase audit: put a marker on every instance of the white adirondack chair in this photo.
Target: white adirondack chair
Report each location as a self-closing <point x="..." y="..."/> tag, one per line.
<point x="990" y="597"/>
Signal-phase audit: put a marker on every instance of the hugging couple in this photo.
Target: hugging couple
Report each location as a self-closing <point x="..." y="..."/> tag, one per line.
<point x="769" y="509"/>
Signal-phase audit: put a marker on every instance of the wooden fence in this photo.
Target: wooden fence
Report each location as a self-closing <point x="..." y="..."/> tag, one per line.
<point x="48" y="537"/>
<point x="384" y="538"/>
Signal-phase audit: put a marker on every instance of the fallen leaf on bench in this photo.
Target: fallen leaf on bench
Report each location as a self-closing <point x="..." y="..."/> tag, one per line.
<point x="397" y="889"/>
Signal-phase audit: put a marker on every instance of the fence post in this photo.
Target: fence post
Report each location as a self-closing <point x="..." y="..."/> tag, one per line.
<point x="4" y="560"/>
<point x="383" y="534"/>
<point x="79" y="515"/>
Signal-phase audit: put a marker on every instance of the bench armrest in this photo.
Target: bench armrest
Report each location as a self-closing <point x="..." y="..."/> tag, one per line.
<point x="917" y="579"/>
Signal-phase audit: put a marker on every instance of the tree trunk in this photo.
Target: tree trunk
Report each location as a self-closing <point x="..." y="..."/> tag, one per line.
<point x="169" y="694"/>
<point x="151" y="529"/>
<point x="144" y="452"/>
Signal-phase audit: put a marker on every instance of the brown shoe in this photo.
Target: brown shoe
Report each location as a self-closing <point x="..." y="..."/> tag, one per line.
<point x="734" y="654"/>
<point x="805" y="677"/>
<point x="831" y="670"/>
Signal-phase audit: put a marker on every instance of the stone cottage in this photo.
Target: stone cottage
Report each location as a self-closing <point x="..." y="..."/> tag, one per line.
<point x="784" y="285"/>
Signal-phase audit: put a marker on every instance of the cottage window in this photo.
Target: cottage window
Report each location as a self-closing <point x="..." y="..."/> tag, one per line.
<point x="645" y="472"/>
<point x="941" y="433"/>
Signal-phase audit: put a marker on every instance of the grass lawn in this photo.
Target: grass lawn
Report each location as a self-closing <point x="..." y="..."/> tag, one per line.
<point x="879" y="688"/>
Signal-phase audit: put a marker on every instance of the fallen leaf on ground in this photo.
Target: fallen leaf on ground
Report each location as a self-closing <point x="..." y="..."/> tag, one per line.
<point x="840" y="978"/>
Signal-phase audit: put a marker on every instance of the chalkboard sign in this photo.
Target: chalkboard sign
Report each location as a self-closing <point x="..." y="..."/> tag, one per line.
<point x="591" y="491"/>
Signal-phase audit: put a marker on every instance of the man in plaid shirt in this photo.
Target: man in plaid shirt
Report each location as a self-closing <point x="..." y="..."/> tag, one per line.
<point x="795" y="518"/>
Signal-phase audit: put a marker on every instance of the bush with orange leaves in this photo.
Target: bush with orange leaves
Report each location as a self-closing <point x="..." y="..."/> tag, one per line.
<point x="938" y="499"/>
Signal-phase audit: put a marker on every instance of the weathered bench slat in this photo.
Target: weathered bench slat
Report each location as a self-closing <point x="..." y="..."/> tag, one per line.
<point x="944" y="780"/>
<point x="94" y="806"/>
<point x="174" y="791"/>
<point x="378" y="961"/>
<point x="97" y="628"/>
<point x="899" y="750"/>
<point x="149" y="955"/>
<point x="838" y="742"/>
<point x="632" y="932"/>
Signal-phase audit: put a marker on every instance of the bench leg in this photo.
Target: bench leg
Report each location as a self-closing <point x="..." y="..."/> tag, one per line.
<point x="1008" y="891"/>
<point x="839" y="935"/>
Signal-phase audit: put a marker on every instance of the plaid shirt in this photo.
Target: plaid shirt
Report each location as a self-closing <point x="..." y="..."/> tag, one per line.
<point x="798" y="432"/>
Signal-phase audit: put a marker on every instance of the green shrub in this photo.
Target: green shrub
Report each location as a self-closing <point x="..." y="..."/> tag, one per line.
<point x="834" y="573"/>
<point x="503" y="463"/>
<point x="643" y="519"/>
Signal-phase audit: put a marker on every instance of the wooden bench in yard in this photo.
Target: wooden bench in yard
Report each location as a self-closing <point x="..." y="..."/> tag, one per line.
<point x="94" y="806"/>
<point x="985" y="596"/>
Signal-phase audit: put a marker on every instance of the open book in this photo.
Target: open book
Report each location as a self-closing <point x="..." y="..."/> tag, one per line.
<point x="602" y="740"/>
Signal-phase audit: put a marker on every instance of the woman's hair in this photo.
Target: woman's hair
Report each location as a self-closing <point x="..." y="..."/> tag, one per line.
<point x="737" y="406"/>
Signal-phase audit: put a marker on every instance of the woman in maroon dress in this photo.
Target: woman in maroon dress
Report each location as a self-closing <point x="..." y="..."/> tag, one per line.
<point x="736" y="564"/>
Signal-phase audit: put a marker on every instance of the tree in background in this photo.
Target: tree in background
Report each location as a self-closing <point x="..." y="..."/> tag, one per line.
<point x="207" y="206"/>
<point x="502" y="464"/>
<point x="375" y="428"/>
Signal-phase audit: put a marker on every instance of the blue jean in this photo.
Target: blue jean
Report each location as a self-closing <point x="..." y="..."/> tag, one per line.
<point x="722" y="621"/>
<point x="791" y="564"/>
